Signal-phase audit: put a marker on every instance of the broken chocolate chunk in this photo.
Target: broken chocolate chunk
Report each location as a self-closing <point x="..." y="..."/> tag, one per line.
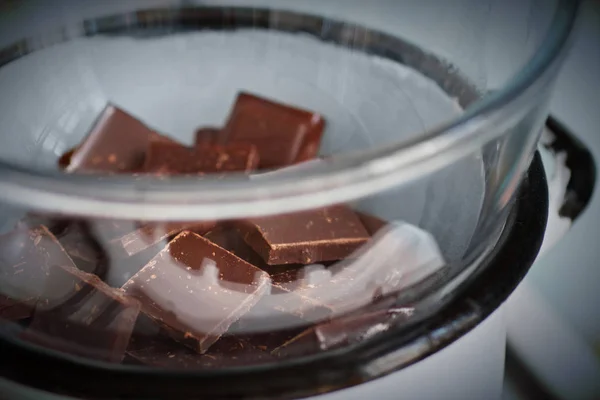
<point x="305" y="343"/>
<point x="117" y="143"/>
<point x="359" y="327"/>
<point x="175" y="159"/>
<point x="371" y="223"/>
<point x="326" y="234"/>
<point x="164" y="352"/>
<point x="65" y="160"/>
<point x="25" y="258"/>
<point x="79" y="314"/>
<point x="127" y="238"/>
<point x="207" y="136"/>
<point x="12" y="310"/>
<point x="195" y="290"/>
<point x="283" y="135"/>
<point x="151" y="233"/>
<point x="84" y="250"/>
<point x="230" y="238"/>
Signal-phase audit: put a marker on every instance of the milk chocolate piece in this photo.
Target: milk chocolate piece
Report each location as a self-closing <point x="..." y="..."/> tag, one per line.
<point x="305" y="343"/>
<point x="25" y="258"/>
<point x="284" y="135"/>
<point x="371" y="223"/>
<point x="230" y="238"/>
<point x="84" y="250"/>
<point x="127" y="238"/>
<point x="326" y="234"/>
<point x="12" y="310"/>
<point x="356" y="328"/>
<point x="195" y="290"/>
<point x="79" y="314"/>
<point x="151" y="233"/>
<point x="376" y="269"/>
<point x="65" y="160"/>
<point x="207" y="136"/>
<point x="340" y="332"/>
<point x="175" y="159"/>
<point x="117" y="143"/>
<point x="226" y="352"/>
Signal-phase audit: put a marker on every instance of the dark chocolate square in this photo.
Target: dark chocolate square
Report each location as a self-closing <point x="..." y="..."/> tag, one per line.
<point x="195" y="290"/>
<point x="26" y="256"/>
<point x="117" y="143"/>
<point x="79" y="314"/>
<point x="326" y="234"/>
<point x="283" y="135"/>
<point x="175" y="159"/>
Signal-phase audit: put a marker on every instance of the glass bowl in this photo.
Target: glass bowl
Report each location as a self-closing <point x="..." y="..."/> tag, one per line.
<point x="203" y="189"/>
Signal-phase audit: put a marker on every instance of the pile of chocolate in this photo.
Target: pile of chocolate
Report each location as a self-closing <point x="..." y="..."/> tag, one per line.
<point x="199" y="293"/>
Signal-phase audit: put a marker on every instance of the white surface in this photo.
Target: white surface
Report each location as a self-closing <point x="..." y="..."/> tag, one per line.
<point x="458" y="372"/>
<point x="553" y="318"/>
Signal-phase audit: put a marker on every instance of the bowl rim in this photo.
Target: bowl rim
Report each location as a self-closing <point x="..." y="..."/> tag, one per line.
<point x="340" y="179"/>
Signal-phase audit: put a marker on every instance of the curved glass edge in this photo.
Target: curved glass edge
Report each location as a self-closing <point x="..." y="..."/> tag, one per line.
<point x="497" y="277"/>
<point x="346" y="177"/>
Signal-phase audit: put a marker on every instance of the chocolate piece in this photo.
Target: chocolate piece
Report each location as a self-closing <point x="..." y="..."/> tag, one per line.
<point x="341" y="332"/>
<point x="326" y="234"/>
<point x="128" y="238"/>
<point x="356" y="328"/>
<point x="230" y="238"/>
<point x="83" y="249"/>
<point x="117" y="143"/>
<point x="79" y="314"/>
<point x="56" y="225"/>
<point x="371" y="223"/>
<point x="65" y="160"/>
<point x="121" y="269"/>
<point x="207" y="136"/>
<point x="12" y="310"/>
<point x="391" y="261"/>
<point x="226" y="352"/>
<point x="129" y="246"/>
<point x="304" y="343"/>
<point x="152" y="233"/>
<point x="25" y="258"/>
<point x="175" y="159"/>
<point x="195" y="290"/>
<point x="283" y="135"/>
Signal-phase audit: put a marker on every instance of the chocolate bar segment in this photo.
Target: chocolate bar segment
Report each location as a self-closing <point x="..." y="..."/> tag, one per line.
<point x="84" y="250"/>
<point x="341" y="332"/>
<point x="175" y="159"/>
<point x="326" y="234"/>
<point x="231" y="239"/>
<point x="164" y="352"/>
<point x="151" y="233"/>
<point x="79" y="314"/>
<point x="207" y="136"/>
<point x="371" y="223"/>
<point x="117" y="143"/>
<point x="13" y="310"/>
<point x="284" y="135"/>
<point x="65" y="160"/>
<point x="359" y="327"/>
<point x="195" y="290"/>
<point x="26" y="256"/>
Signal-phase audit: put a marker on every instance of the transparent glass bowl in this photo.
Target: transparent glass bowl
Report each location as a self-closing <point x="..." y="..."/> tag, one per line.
<point x="361" y="161"/>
